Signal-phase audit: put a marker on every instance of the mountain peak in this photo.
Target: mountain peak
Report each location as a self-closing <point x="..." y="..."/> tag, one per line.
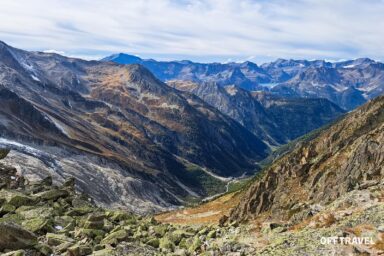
<point x="123" y="58"/>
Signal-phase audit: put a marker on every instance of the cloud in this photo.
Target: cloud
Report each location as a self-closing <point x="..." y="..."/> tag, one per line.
<point x="204" y="30"/>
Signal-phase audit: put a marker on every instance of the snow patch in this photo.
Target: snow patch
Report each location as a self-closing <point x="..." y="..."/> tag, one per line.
<point x="269" y="85"/>
<point x="35" y="78"/>
<point x="349" y="66"/>
<point x="339" y="88"/>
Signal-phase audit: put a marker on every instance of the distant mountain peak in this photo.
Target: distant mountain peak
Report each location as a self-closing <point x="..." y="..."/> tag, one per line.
<point x="123" y="58"/>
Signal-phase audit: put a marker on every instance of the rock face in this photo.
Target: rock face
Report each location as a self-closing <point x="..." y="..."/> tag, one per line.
<point x="346" y="156"/>
<point x="347" y="84"/>
<point x="275" y="119"/>
<point x="129" y="139"/>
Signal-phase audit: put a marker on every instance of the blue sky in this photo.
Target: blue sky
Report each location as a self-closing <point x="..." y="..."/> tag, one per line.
<point x="200" y="30"/>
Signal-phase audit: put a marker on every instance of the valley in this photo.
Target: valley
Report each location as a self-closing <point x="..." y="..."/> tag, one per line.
<point x="127" y="156"/>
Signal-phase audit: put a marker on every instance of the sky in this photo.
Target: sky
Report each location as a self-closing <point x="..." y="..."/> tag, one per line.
<point x="198" y="30"/>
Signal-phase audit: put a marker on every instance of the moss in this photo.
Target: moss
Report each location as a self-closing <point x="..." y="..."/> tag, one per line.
<point x="36" y="212"/>
<point x="166" y="243"/>
<point x="57" y="239"/>
<point x="79" y="211"/>
<point x="154" y="242"/>
<point x="38" y="224"/>
<point x="115" y="237"/>
<point x="196" y="244"/>
<point x="52" y="194"/>
<point x="7" y="208"/>
<point x="19" y="200"/>
<point x="15" y="217"/>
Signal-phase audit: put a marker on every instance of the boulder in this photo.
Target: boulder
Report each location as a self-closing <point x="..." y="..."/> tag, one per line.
<point x="211" y="234"/>
<point x="17" y="199"/>
<point x="69" y="183"/>
<point x="52" y="194"/>
<point x="13" y="236"/>
<point x="166" y="243"/>
<point x="44" y="249"/>
<point x="104" y="252"/>
<point x="154" y="242"/>
<point x="79" y="211"/>
<point x="38" y="224"/>
<point x="79" y="250"/>
<point x="58" y="239"/>
<point x="35" y="212"/>
<point x="90" y="233"/>
<point x="115" y="237"/>
<point x="195" y="246"/>
<point x="7" y="208"/>
<point x="95" y="221"/>
<point x="15" y="253"/>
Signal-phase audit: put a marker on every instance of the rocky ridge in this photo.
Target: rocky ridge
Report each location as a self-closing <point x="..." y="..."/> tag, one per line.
<point x="348" y="155"/>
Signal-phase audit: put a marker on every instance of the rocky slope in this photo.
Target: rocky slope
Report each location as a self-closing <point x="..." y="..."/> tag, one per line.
<point x="326" y="197"/>
<point x="347" y="156"/>
<point x="345" y="83"/>
<point x="38" y="218"/>
<point x="129" y="139"/>
<point x="275" y="119"/>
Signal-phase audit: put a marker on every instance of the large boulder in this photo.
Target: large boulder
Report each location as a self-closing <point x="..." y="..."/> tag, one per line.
<point x="14" y="237"/>
<point x="16" y="198"/>
<point x="52" y="194"/>
<point x="58" y="239"/>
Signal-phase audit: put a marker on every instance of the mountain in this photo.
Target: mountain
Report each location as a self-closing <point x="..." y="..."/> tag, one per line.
<point x="348" y="84"/>
<point x="129" y="139"/>
<point x="246" y="75"/>
<point x="345" y="158"/>
<point x="275" y="119"/>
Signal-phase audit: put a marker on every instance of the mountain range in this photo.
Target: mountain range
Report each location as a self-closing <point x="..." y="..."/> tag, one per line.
<point x="346" y="83"/>
<point x="128" y="138"/>
<point x="134" y="141"/>
<point x="260" y="160"/>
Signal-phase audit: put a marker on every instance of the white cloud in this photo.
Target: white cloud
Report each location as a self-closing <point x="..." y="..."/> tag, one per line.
<point x="198" y="29"/>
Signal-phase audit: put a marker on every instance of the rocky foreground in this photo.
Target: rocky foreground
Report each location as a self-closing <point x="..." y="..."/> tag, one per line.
<point x="42" y="219"/>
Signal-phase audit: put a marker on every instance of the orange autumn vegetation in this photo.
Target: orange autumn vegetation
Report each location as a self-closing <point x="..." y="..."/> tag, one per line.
<point x="206" y="213"/>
